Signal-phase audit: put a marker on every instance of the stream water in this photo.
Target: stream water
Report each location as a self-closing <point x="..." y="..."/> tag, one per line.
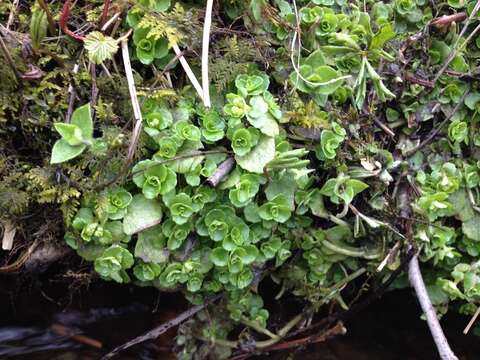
<point x="37" y="321"/>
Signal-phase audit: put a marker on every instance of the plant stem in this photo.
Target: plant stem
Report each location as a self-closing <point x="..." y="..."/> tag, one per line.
<point x="416" y="280"/>
<point x="258" y="328"/>
<point x="106" y="7"/>
<point x="51" y="22"/>
<point x="205" y="47"/>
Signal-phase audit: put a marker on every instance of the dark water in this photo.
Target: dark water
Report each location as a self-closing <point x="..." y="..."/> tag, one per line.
<point x="390" y="329"/>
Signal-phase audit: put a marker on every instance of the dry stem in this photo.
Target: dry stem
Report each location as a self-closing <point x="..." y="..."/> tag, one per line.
<point x="191" y="76"/>
<point x="134" y="99"/>
<point x="205" y="46"/>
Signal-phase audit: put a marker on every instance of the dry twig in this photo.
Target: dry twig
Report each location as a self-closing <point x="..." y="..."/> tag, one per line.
<point x="205" y="46"/>
<point x="222" y="171"/>
<point x="191" y="76"/>
<point x="416" y="280"/>
<point x="159" y="330"/>
<point x="134" y="99"/>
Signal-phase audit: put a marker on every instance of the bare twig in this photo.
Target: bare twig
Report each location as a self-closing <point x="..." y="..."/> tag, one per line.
<point x="416" y="80"/>
<point x="384" y="127"/>
<point x="222" y="171"/>
<point x="205" y="46"/>
<point x="51" y="22"/>
<point x="134" y="99"/>
<point x="159" y="330"/>
<point x="110" y="21"/>
<point x="448" y="19"/>
<point x="416" y="280"/>
<point x="472" y="321"/>
<point x="191" y="76"/>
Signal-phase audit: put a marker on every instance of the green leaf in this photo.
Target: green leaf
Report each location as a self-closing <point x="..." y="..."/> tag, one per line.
<point x="189" y="159"/>
<point x="157" y="5"/>
<point x="150" y="246"/>
<point x="72" y="134"/>
<point x="62" y="151"/>
<point x="38" y="26"/>
<point x="385" y="34"/>
<point x="82" y="117"/>
<point x="471" y="228"/>
<point x="256" y="160"/>
<point x="323" y="80"/>
<point x="219" y="256"/>
<point x="100" y="47"/>
<point x="142" y="214"/>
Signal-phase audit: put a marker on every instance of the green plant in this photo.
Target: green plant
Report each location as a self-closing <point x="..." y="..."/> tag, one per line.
<point x="75" y="136"/>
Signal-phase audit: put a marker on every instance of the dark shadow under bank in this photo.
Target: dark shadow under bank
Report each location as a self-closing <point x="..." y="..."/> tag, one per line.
<point x="389" y="329"/>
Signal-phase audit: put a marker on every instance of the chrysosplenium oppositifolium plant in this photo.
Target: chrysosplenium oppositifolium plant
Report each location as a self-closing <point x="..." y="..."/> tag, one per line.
<point x="348" y="137"/>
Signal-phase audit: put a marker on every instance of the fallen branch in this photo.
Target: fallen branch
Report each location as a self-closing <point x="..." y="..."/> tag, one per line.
<point x="205" y="46"/>
<point x="154" y="333"/>
<point x="222" y="171"/>
<point x="416" y="280"/>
